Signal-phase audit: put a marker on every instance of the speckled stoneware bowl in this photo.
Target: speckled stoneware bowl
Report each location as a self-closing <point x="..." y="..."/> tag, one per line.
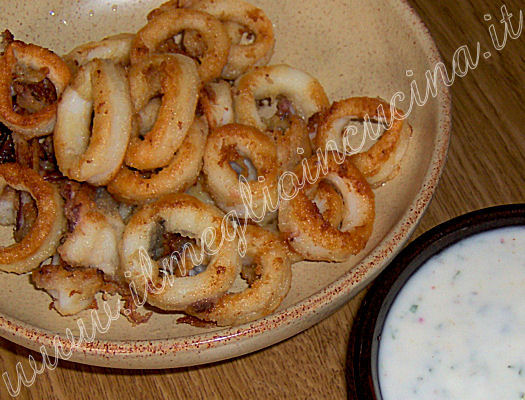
<point x="353" y="47"/>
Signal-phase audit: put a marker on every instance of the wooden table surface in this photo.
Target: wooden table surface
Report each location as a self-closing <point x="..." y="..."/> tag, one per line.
<point x="485" y="167"/>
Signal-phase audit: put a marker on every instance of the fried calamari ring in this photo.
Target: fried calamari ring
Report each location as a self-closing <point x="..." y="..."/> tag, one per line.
<point x="167" y="24"/>
<point x="179" y="83"/>
<point x="217" y="103"/>
<point x="138" y="187"/>
<point x="235" y="143"/>
<point x="252" y="21"/>
<point x="44" y="236"/>
<point x="249" y="29"/>
<point x="305" y="93"/>
<point x="272" y="281"/>
<point x="304" y="226"/>
<point x="372" y="163"/>
<point x="94" y="155"/>
<point x="287" y="129"/>
<point x="381" y="162"/>
<point x="43" y="77"/>
<point x="189" y="217"/>
<point x="115" y="48"/>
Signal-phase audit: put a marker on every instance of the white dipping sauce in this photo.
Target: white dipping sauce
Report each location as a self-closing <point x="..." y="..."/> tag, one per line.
<point x="457" y="328"/>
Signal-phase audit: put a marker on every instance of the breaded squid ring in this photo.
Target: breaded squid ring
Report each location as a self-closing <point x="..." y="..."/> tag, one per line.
<point x="168" y="24"/>
<point x="32" y="57"/>
<point x="304" y="91"/>
<point x="254" y="21"/>
<point x="217" y="103"/>
<point x="381" y="162"/>
<point x="179" y="84"/>
<point x="44" y="236"/>
<point x="233" y="143"/>
<point x="265" y="293"/>
<point x="187" y="216"/>
<point x="115" y="48"/>
<point x="134" y="188"/>
<point x="96" y="155"/>
<point x="304" y="226"/>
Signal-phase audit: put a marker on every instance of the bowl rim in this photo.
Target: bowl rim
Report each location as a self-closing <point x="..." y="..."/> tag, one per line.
<point x="284" y="323"/>
<point x="365" y="337"/>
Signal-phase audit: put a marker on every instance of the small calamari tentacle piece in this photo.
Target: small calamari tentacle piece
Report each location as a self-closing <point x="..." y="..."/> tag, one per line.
<point x="95" y="230"/>
<point x="72" y="289"/>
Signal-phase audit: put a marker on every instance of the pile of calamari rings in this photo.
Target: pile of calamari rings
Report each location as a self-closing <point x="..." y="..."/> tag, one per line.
<point x="176" y="163"/>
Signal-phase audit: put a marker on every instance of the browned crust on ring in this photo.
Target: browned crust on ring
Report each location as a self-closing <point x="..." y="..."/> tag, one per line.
<point x="180" y="211"/>
<point x="371" y="161"/>
<point x="44" y="235"/>
<point x="173" y="21"/>
<point x="265" y="292"/>
<point x="224" y="145"/>
<point x="311" y="227"/>
<point x="241" y="57"/>
<point x="243" y="14"/>
<point x="132" y="187"/>
<point x="179" y="83"/>
<point x="304" y="91"/>
<point x="41" y="122"/>
<point x="333" y="213"/>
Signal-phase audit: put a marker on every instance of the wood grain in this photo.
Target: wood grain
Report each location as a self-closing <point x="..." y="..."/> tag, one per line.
<point x="486" y="166"/>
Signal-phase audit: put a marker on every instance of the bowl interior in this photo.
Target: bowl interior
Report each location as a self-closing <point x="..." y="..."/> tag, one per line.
<point x="352" y="48"/>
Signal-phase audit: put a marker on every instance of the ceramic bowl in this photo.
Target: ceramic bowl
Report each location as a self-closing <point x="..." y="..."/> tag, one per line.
<point x="354" y="48"/>
<point x="363" y="349"/>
